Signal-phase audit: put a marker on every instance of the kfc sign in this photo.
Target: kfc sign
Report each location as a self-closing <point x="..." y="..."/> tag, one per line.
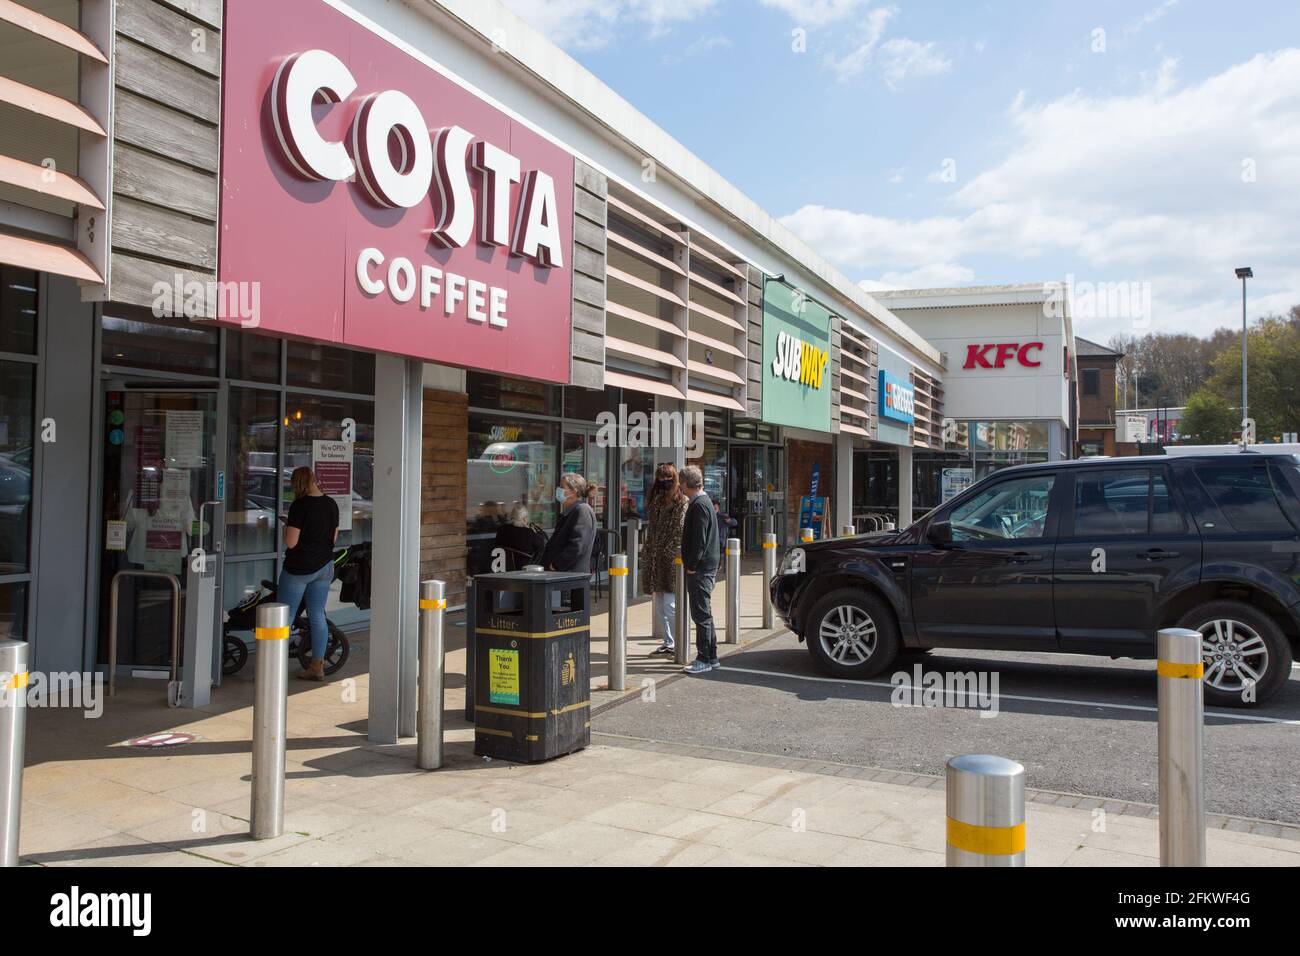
<point x="997" y="355"/>
<point x="381" y="204"/>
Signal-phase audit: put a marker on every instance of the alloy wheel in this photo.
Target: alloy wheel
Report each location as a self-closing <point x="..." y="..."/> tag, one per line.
<point x="1234" y="654"/>
<point x="848" y="635"/>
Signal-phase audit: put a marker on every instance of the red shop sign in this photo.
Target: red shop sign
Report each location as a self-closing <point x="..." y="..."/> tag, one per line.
<point x="370" y="200"/>
<point x="997" y="355"/>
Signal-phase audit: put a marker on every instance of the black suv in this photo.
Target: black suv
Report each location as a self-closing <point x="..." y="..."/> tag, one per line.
<point x="1086" y="557"/>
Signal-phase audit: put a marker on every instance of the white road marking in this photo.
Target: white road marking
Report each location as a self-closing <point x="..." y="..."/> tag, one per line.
<point x="727" y="668"/>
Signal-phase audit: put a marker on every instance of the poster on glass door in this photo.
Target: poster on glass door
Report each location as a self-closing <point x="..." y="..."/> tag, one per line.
<point x="332" y="463"/>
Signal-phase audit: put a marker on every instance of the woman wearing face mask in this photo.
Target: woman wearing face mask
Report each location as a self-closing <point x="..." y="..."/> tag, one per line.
<point x="575" y="533"/>
<point x="663" y="542"/>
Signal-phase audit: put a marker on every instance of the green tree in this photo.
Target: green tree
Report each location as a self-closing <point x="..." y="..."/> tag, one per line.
<point x="1207" y="420"/>
<point x="1273" y="366"/>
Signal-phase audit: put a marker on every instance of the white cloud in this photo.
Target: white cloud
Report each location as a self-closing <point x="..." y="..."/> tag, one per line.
<point x="1152" y="16"/>
<point x="903" y="58"/>
<point x="857" y="60"/>
<point x="1145" y="187"/>
<point x="592" y="24"/>
<point x="816" y="13"/>
<point x="705" y="44"/>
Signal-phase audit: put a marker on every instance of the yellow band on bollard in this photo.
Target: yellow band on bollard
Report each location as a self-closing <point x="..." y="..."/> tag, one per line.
<point x="271" y="633"/>
<point x="769" y="544"/>
<point x="19" y="681"/>
<point x="677" y="560"/>
<point x="986" y="841"/>
<point x="1170" y="669"/>
<point x="433" y="604"/>
<point x="617" y="572"/>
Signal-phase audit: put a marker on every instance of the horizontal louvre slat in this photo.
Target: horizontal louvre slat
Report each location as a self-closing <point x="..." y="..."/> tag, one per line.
<point x="720" y="263"/>
<point x="623" y="347"/>
<point x="623" y="311"/>
<point x="636" y="383"/>
<point x="712" y="371"/>
<point x="853" y="394"/>
<point x="47" y="104"/>
<point x="713" y="343"/>
<point x="641" y="217"/>
<point x="853" y="429"/>
<point x="717" y="401"/>
<point x="47" y="257"/>
<point x="708" y="313"/>
<point x="648" y="255"/>
<point x="52" y="30"/>
<point x="47" y="182"/>
<point x="641" y="284"/>
<point x="717" y="289"/>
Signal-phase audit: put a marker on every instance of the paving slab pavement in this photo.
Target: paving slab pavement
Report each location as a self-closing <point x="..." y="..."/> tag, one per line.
<point x="92" y="800"/>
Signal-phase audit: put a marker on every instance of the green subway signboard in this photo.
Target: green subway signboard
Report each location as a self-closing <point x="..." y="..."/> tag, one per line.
<point x="796" y="359"/>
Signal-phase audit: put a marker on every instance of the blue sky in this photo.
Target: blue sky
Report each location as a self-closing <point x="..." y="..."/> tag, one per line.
<point x="922" y="144"/>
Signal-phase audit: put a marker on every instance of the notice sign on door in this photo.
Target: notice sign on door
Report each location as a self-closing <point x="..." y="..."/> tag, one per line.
<point x="184" y="438"/>
<point x="503" y="676"/>
<point x="332" y="463"/>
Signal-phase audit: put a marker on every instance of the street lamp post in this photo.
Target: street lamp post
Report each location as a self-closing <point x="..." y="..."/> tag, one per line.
<point x="1243" y="274"/>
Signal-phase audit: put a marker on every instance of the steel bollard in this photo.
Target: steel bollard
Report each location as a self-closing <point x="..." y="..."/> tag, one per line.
<point x="681" y="638"/>
<point x="13" y="737"/>
<point x="986" y="811"/>
<point x="1181" y="749"/>
<point x="769" y="575"/>
<point x="633" y="558"/>
<point x="618" y="576"/>
<point x="431" y="675"/>
<point x="270" y="709"/>
<point x="847" y="531"/>
<point x="806" y="535"/>
<point x="732" y="635"/>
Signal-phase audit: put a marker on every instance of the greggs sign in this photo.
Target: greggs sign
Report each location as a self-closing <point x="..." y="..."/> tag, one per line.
<point x="380" y="204"/>
<point x="998" y="355"/>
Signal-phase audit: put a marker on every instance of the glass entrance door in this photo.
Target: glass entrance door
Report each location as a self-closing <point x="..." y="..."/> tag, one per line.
<point x="159" y="468"/>
<point x="754" y="492"/>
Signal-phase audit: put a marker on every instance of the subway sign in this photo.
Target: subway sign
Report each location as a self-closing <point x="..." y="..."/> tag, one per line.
<point x="796" y="358"/>
<point x="799" y="361"/>
<point x="897" y="399"/>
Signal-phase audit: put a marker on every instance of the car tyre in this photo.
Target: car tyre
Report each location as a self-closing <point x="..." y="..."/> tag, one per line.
<point x="1254" y="636"/>
<point x="851" y="633"/>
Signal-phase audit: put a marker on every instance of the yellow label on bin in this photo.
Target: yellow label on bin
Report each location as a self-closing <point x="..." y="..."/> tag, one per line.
<point x="503" y="676"/>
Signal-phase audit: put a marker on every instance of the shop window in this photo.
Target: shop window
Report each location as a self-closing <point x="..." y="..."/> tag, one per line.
<point x="511" y="394"/>
<point x="17" y="310"/>
<point x="584" y="404"/>
<point x="312" y="418"/>
<point x="13" y="611"/>
<point x="253" y="480"/>
<point x="17" y="398"/>
<point x="311" y="365"/>
<point x="511" y="462"/>
<point x="134" y="338"/>
<point x="252" y="358"/>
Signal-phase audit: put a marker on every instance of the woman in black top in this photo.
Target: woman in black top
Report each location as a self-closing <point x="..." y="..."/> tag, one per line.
<point x="575" y="533"/>
<point x="520" y="540"/>
<point x="308" y="571"/>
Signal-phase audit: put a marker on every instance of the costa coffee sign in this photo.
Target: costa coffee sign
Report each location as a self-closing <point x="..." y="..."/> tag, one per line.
<point x="380" y="204"/>
<point x="997" y="355"/>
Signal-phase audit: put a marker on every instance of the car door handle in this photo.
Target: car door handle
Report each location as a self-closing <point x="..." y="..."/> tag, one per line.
<point x="1157" y="554"/>
<point x="1024" y="557"/>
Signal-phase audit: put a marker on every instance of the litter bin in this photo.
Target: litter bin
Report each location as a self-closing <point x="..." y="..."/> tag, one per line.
<point x="531" y="648"/>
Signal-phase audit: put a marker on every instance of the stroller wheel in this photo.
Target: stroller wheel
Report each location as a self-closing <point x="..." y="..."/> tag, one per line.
<point x="234" y="654"/>
<point x="336" y="651"/>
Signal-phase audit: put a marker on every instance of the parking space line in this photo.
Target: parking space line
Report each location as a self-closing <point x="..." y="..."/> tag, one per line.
<point x="727" y="668"/>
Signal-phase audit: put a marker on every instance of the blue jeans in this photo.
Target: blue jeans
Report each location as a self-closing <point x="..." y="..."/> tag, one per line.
<point x="315" y="588"/>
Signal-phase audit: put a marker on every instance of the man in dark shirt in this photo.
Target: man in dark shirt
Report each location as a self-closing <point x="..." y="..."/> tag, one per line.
<point x="700" y="555"/>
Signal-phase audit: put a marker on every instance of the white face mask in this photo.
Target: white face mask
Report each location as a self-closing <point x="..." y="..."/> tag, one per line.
<point x="559" y="494"/>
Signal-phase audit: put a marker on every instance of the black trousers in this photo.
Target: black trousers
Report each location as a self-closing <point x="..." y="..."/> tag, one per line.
<point x="699" y="588"/>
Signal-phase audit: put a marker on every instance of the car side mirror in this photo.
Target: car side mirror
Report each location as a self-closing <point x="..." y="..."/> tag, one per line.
<point x="939" y="534"/>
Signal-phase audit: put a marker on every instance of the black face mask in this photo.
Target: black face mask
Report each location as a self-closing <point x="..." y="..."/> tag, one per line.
<point x="665" y="483"/>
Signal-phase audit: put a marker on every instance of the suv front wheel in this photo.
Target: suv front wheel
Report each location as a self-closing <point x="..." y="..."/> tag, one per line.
<point x="1247" y="657"/>
<point x="851" y="634"/>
